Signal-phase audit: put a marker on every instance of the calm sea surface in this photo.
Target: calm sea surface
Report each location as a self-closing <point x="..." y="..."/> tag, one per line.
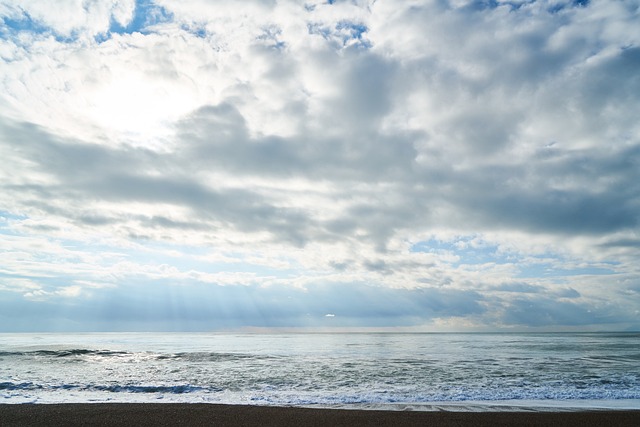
<point x="368" y="370"/>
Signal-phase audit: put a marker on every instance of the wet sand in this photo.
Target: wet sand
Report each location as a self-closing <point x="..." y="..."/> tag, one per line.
<point x="169" y="414"/>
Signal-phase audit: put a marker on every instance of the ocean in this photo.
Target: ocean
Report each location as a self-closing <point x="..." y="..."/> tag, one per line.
<point x="413" y="371"/>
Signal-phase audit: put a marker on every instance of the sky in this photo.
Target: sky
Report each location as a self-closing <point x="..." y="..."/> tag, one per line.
<point x="319" y="165"/>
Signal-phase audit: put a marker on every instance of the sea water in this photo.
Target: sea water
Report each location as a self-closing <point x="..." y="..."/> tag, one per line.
<point x="355" y="370"/>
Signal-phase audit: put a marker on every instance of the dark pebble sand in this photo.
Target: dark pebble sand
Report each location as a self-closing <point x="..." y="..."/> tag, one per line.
<point x="169" y="414"/>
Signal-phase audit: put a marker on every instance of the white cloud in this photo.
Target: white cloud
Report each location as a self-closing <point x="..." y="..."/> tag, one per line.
<point x="67" y="18"/>
<point x="485" y="155"/>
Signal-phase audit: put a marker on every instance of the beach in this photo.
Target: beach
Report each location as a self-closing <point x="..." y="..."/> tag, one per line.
<point x="160" y="414"/>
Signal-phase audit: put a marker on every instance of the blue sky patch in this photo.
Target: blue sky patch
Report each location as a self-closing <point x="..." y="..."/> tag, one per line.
<point x="271" y="37"/>
<point x="197" y="31"/>
<point x="25" y="23"/>
<point x="6" y="218"/>
<point x="557" y="7"/>
<point x="471" y="251"/>
<point x="353" y="31"/>
<point x="315" y="28"/>
<point x="146" y="14"/>
<point x="344" y="32"/>
<point x="467" y="249"/>
<point x="546" y="269"/>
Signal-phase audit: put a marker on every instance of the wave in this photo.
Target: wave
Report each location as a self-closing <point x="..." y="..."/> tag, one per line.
<point x="175" y="389"/>
<point x="275" y="394"/>
<point x="20" y="386"/>
<point x="63" y="353"/>
<point x="114" y="388"/>
<point x="186" y="356"/>
<point x="213" y="356"/>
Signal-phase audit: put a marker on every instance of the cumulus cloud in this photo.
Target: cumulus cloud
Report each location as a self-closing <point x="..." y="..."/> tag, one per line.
<point x="68" y="18"/>
<point x="402" y="163"/>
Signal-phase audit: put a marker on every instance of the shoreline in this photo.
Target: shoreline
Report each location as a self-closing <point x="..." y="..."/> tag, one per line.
<point x="205" y="414"/>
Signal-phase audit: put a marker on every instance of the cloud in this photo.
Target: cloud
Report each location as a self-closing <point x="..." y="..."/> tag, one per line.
<point x="218" y="307"/>
<point x="460" y="160"/>
<point x="67" y="18"/>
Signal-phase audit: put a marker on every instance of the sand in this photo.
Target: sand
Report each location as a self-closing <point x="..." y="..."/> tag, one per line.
<point x="168" y="414"/>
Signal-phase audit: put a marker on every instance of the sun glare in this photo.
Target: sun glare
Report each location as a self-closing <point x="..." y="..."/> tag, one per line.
<point x="139" y="110"/>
